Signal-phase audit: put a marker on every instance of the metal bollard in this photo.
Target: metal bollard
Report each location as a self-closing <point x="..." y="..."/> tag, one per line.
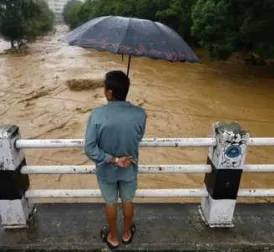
<point x="227" y="159"/>
<point x="15" y="209"/>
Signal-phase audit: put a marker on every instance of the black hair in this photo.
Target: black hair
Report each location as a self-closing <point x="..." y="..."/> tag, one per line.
<point x="118" y="82"/>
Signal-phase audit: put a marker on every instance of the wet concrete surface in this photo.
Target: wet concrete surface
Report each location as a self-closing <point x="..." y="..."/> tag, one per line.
<point x="160" y="227"/>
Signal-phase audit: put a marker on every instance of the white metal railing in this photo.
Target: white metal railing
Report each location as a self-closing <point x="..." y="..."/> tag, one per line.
<point x="82" y="169"/>
<point x="147" y="142"/>
<point x="86" y="169"/>
<point x="152" y="193"/>
<point x="148" y="193"/>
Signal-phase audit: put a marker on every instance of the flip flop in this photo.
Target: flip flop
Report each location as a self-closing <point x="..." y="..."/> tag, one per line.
<point x="104" y="235"/>
<point x="133" y="230"/>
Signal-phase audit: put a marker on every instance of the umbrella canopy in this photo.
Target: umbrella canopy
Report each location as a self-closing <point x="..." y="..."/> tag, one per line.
<point x="132" y="36"/>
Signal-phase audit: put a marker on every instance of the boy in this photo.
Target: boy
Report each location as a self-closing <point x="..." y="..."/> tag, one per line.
<point x="112" y="140"/>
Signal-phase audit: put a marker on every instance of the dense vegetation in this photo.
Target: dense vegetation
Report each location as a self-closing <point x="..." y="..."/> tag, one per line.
<point x="225" y="26"/>
<point x="24" y="19"/>
<point x="219" y="26"/>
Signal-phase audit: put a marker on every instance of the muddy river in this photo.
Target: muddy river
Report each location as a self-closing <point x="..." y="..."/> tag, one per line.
<point x="50" y="91"/>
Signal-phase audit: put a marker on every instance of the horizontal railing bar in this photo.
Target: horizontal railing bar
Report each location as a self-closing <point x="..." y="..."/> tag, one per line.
<point x="82" y="169"/>
<point x="178" y="142"/>
<point x="145" y="169"/>
<point x="147" y="142"/>
<point x="259" y="168"/>
<point x="256" y="193"/>
<point x="152" y="193"/>
<point x="62" y="169"/>
<point x="49" y="143"/>
<point x="261" y="141"/>
<point x="148" y="193"/>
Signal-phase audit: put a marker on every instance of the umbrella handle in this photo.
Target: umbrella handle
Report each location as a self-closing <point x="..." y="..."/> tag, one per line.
<point x="128" y="66"/>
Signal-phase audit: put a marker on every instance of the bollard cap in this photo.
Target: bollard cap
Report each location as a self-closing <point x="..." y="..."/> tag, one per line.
<point x="8" y="131"/>
<point x="233" y="127"/>
<point x="10" y="157"/>
<point x="230" y="132"/>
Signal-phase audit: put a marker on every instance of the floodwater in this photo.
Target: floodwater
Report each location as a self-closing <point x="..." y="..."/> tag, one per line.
<point x="181" y="100"/>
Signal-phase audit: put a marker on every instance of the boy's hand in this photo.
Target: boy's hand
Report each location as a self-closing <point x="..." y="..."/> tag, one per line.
<point x="124" y="162"/>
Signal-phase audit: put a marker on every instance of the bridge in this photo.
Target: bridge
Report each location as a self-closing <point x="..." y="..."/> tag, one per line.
<point x="217" y="224"/>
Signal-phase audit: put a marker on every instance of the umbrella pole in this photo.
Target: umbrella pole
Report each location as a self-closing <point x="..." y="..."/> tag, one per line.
<point x="129" y="62"/>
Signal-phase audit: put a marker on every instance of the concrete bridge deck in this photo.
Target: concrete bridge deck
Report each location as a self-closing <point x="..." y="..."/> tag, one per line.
<point x="161" y="227"/>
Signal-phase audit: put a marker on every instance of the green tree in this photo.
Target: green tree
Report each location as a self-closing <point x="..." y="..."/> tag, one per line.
<point x="225" y="26"/>
<point x="67" y="7"/>
<point x="11" y="20"/>
<point x="178" y="15"/>
<point x="256" y="27"/>
<point x="175" y="13"/>
<point x="214" y="27"/>
<point x="127" y="8"/>
<point x="86" y="11"/>
<point x="70" y="13"/>
<point x="46" y="18"/>
<point x="24" y="19"/>
<point x="42" y="20"/>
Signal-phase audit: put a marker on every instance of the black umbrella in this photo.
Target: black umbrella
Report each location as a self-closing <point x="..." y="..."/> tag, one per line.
<point x="132" y="36"/>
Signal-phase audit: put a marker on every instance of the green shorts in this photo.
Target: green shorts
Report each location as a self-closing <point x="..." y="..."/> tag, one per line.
<point x="126" y="190"/>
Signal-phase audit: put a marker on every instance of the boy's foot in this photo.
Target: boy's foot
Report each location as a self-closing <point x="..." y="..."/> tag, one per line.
<point x="106" y="237"/>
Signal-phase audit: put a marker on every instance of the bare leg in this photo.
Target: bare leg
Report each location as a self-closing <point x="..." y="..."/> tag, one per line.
<point x="111" y="214"/>
<point x="128" y="218"/>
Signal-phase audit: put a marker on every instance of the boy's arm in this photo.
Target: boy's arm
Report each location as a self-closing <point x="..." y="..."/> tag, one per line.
<point x="91" y="147"/>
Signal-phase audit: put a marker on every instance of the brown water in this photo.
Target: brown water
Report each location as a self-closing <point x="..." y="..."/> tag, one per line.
<point x="182" y="100"/>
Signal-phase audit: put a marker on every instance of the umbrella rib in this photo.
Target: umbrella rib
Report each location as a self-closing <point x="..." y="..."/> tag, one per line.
<point x="162" y="34"/>
<point x="109" y="17"/>
<point x="118" y="51"/>
<point x="194" y="57"/>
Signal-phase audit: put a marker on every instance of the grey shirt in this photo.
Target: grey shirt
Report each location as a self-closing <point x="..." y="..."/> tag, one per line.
<point x="115" y="129"/>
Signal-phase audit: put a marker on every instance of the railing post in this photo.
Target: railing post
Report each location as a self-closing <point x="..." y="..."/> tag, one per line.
<point x="15" y="209"/>
<point x="227" y="159"/>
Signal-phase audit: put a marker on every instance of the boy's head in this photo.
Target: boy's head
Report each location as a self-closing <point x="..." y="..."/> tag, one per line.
<point x="116" y="86"/>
